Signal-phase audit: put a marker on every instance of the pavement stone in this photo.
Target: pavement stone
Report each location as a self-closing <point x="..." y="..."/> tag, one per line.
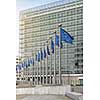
<point x="41" y="97"/>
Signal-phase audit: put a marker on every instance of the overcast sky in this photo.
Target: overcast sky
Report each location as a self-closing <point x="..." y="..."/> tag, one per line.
<point x="25" y="4"/>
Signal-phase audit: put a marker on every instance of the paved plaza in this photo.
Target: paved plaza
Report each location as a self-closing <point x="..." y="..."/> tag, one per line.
<point x="41" y="97"/>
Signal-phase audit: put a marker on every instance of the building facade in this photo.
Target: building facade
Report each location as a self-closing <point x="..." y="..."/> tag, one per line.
<point x="18" y="60"/>
<point x="36" y="26"/>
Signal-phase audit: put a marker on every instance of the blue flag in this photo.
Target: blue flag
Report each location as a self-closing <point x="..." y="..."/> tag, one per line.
<point x="41" y="55"/>
<point x="25" y="64"/>
<point x="65" y="36"/>
<point x="52" y="46"/>
<point x="57" y="41"/>
<point x="48" y="52"/>
<point x="44" y="53"/>
<point x="20" y="67"/>
<point x="32" y="61"/>
<point x="28" y="62"/>
<point x="17" y="68"/>
<point x="38" y="56"/>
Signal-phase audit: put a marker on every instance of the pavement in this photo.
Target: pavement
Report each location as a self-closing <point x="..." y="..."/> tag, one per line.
<point x="41" y="97"/>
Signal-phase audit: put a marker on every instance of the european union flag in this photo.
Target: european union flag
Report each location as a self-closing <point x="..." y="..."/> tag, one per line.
<point x="33" y="61"/>
<point x="65" y="36"/>
<point x="25" y="64"/>
<point x="44" y="53"/>
<point x="52" y="46"/>
<point x="20" y="67"/>
<point x="41" y="55"/>
<point x="48" y="52"/>
<point x="17" y="68"/>
<point x="28" y="62"/>
<point x="57" y="41"/>
<point x="38" y="56"/>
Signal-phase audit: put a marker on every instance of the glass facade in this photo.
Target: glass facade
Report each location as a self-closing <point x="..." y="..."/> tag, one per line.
<point x="37" y="23"/>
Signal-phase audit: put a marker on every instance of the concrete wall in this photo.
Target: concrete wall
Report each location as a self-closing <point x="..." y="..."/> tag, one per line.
<point x="44" y="90"/>
<point x="74" y="95"/>
<point x="78" y="89"/>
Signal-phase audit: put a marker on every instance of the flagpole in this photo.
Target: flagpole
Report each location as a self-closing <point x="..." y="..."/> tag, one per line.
<point x="18" y="76"/>
<point x="60" y="54"/>
<point x="40" y="65"/>
<point x="21" y="78"/>
<point x="47" y="65"/>
<point x="55" y="57"/>
<point x="28" y="73"/>
<point x="32" y="73"/>
<point x="36" y="65"/>
<point x="50" y="61"/>
<point x="44" y="65"/>
<point x="25" y="73"/>
<point x="37" y="72"/>
<point x="34" y="69"/>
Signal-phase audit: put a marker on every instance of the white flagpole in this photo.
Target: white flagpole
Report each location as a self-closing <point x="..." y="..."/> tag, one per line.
<point x="27" y="70"/>
<point x="36" y="66"/>
<point x="44" y="71"/>
<point x="18" y="76"/>
<point x="43" y="68"/>
<point x="40" y="65"/>
<point x="59" y="55"/>
<point x="46" y="65"/>
<point x="23" y="76"/>
<point x="34" y="69"/>
<point x="50" y="61"/>
<point x="55" y="57"/>
<point x="37" y="72"/>
<point x="33" y="73"/>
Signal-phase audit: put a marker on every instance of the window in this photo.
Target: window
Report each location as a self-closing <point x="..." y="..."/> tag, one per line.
<point x="80" y="44"/>
<point x="78" y="49"/>
<point x="80" y="37"/>
<point x="79" y="10"/>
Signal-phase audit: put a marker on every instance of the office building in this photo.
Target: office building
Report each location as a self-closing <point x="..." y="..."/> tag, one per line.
<point x="36" y="27"/>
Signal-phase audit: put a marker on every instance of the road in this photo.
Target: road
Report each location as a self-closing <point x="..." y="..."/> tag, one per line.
<point x="41" y="97"/>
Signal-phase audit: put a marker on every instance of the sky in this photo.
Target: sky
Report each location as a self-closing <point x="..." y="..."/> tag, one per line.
<point x="25" y="4"/>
